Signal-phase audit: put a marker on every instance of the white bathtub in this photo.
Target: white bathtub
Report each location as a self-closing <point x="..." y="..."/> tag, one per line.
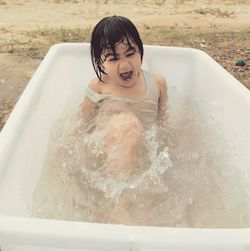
<point x="63" y="75"/>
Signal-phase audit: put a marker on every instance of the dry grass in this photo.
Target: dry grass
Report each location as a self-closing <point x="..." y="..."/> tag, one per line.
<point x="36" y="43"/>
<point x="60" y="35"/>
<point x="235" y="1"/>
<point x="214" y="12"/>
<point x="137" y="2"/>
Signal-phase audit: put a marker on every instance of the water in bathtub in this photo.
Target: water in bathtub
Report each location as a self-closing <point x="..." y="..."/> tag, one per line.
<point x="184" y="175"/>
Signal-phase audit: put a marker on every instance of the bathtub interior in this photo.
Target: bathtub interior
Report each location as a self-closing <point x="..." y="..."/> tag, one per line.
<point x="62" y="77"/>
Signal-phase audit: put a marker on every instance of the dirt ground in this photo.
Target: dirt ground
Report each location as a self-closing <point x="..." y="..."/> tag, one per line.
<point x="28" y="29"/>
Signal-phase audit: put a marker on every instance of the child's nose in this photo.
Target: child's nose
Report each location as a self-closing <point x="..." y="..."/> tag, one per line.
<point x="124" y="64"/>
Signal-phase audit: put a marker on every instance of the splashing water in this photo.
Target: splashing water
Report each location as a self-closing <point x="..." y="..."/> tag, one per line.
<point x="184" y="176"/>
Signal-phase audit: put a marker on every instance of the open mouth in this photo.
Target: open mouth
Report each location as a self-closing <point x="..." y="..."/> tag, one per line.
<point x="126" y="76"/>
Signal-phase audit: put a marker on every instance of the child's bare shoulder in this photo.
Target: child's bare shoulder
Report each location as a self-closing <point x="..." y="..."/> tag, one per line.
<point x="159" y="80"/>
<point x="95" y="85"/>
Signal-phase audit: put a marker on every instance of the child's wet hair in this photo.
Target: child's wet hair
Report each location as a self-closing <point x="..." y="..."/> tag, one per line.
<point x="107" y="33"/>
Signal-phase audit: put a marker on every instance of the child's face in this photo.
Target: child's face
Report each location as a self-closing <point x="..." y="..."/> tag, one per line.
<point x="124" y="67"/>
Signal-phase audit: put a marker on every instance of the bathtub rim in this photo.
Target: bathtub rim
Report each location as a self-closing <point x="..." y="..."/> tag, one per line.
<point x="59" y="233"/>
<point x="20" y="112"/>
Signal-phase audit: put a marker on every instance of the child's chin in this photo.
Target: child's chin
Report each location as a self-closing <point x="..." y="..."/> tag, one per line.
<point x="128" y="83"/>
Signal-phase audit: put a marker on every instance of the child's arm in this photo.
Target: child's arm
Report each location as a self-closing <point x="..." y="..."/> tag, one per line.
<point x="89" y="106"/>
<point x="162" y="101"/>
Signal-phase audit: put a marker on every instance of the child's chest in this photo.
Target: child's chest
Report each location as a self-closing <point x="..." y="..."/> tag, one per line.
<point x="135" y="91"/>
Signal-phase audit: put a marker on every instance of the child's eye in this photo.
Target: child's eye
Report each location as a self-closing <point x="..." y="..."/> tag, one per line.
<point x="131" y="54"/>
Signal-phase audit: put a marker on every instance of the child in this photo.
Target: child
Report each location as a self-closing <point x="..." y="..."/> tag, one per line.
<point x="127" y="99"/>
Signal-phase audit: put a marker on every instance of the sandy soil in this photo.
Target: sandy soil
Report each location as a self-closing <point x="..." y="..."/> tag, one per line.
<point x="28" y="28"/>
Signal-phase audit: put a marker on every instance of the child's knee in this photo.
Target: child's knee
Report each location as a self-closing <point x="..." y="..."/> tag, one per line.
<point x="124" y="125"/>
